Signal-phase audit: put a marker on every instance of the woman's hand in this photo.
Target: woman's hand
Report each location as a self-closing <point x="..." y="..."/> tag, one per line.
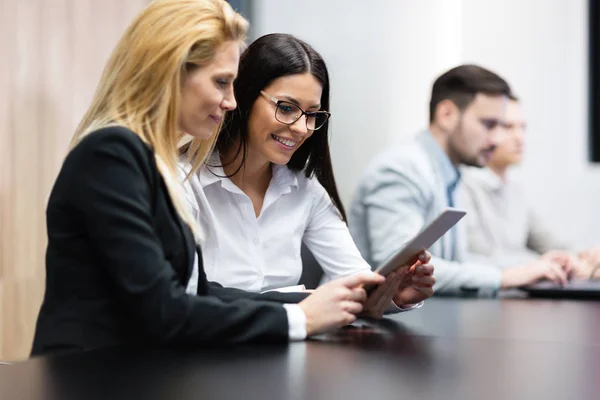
<point x="380" y="299"/>
<point x="410" y="284"/>
<point x="420" y="287"/>
<point x="336" y="303"/>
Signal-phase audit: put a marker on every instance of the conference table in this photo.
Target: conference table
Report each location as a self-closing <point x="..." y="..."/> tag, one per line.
<point x="451" y="348"/>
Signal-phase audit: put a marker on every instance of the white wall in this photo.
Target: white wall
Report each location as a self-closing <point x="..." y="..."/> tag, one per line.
<point x="540" y="47"/>
<point x="383" y="56"/>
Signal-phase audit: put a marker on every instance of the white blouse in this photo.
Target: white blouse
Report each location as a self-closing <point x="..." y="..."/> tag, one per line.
<point x="263" y="253"/>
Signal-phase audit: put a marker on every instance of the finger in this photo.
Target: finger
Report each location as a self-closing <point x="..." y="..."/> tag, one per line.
<point x="351" y="306"/>
<point x="553" y="273"/>
<point x="385" y="300"/>
<point x="426" y="291"/>
<point x="378" y="309"/>
<point x="413" y="260"/>
<point x="348" y="318"/>
<point x="388" y="281"/>
<point x="564" y="260"/>
<point x="568" y="268"/>
<point x="362" y="278"/>
<point x="375" y="295"/>
<point x="396" y="279"/>
<point x="425" y="257"/>
<point x="406" y="281"/>
<point x="358" y="295"/>
<point x="560" y="274"/>
<point x="384" y="292"/>
<point x="426" y="269"/>
<point x="551" y="276"/>
<point x="377" y="302"/>
<point x="376" y="314"/>
<point x="406" y="273"/>
<point x="402" y="277"/>
<point x="424" y="281"/>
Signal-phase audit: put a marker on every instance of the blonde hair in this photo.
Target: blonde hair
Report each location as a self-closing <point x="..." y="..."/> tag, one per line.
<point x="141" y="83"/>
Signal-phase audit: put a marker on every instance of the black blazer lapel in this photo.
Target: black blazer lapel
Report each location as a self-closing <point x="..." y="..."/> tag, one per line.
<point x="202" y="281"/>
<point x="189" y="245"/>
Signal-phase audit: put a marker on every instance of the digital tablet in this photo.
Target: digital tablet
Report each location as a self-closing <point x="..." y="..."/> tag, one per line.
<point x="423" y="240"/>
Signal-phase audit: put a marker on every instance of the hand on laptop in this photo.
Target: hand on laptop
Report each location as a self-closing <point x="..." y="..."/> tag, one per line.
<point x="584" y="269"/>
<point x="592" y="255"/>
<point x="577" y="268"/>
<point x="534" y="271"/>
<point x="563" y="258"/>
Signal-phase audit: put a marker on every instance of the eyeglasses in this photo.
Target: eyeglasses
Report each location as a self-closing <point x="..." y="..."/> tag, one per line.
<point x="288" y="113"/>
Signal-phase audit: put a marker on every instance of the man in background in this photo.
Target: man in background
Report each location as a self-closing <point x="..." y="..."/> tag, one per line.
<point x="409" y="185"/>
<point x="501" y="223"/>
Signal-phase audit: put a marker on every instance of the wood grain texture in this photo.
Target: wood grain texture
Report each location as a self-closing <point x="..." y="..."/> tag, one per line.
<point x="53" y="53"/>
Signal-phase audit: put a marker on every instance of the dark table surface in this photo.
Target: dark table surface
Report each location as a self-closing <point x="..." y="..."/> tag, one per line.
<point x="449" y="349"/>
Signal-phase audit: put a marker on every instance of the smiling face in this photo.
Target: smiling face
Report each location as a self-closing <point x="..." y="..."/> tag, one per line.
<point x="270" y="140"/>
<point x="207" y="93"/>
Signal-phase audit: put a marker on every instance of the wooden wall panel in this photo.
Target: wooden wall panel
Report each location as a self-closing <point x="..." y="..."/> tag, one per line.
<point x="6" y="25"/>
<point x="7" y="13"/>
<point x="53" y="53"/>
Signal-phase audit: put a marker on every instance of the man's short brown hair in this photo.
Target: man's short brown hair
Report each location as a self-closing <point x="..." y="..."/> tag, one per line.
<point x="461" y="84"/>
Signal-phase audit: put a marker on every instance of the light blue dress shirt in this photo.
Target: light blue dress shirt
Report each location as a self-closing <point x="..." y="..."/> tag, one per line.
<point x="404" y="189"/>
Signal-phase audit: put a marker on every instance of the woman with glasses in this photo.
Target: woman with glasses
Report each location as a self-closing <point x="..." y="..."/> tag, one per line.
<point x="269" y="185"/>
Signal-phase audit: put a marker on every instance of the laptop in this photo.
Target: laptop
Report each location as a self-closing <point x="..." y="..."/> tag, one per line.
<point x="572" y="290"/>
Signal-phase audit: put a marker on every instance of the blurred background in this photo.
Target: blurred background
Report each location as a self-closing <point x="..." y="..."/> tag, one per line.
<point x="383" y="56"/>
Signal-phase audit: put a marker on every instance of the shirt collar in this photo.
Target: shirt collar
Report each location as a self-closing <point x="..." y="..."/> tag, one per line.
<point x="211" y="172"/>
<point x="485" y="178"/>
<point x="283" y="178"/>
<point x="450" y="174"/>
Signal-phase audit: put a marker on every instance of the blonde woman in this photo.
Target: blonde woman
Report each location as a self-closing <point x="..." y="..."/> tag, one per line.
<point x="121" y="241"/>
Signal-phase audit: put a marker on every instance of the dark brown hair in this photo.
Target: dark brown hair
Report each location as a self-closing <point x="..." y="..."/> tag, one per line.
<point x="462" y="83"/>
<point x="266" y="59"/>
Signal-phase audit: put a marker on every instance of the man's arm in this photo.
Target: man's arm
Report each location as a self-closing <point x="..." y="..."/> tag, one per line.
<point x="395" y="208"/>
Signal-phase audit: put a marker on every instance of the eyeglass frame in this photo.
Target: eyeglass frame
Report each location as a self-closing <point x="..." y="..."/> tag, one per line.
<point x="277" y="102"/>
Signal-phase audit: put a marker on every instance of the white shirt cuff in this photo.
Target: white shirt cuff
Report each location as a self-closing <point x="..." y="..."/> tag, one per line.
<point x="288" y="289"/>
<point x="393" y="308"/>
<point x="296" y="322"/>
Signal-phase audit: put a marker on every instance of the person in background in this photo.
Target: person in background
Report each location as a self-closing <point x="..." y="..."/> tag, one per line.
<point x="121" y="240"/>
<point x="501" y="223"/>
<point x="269" y="185"/>
<point x="410" y="184"/>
